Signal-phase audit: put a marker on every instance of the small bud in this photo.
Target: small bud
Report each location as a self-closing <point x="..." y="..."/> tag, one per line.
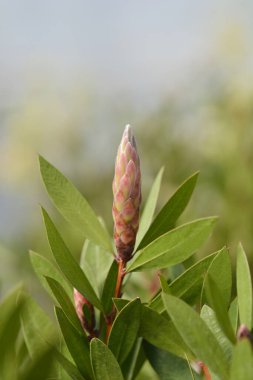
<point x="84" y="311"/>
<point x="244" y="332"/>
<point x="126" y="195"/>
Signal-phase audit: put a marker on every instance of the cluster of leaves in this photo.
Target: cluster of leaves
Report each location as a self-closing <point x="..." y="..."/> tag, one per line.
<point x="191" y="322"/>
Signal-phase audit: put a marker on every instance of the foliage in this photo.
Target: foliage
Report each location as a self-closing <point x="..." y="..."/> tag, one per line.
<point x="187" y="330"/>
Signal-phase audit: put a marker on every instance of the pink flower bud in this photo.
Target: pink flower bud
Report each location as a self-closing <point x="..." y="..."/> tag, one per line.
<point x="84" y="311"/>
<point x="127" y="195"/>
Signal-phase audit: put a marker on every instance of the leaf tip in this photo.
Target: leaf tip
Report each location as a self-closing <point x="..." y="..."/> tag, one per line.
<point x="42" y="162"/>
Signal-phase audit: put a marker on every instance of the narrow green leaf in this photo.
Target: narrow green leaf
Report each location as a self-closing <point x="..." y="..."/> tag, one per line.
<point x="164" y="285"/>
<point x="67" y="263"/>
<point x="208" y="315"/>
<point x="167" y="365"/>
<point x="9" y="331"/>
<point x="244" y="288"/>
<point x="72" y="205"/>
<point x="197" y="335"/>
<point x="173" y="247"/>
<point x="233" y="314"/>
<point x="104" y="364"/>
<point x="77" y="344"/>
<point x="43" y="267"/>
<point x="242" y="361"/>
<point x="65" y="303"/>
<point x="68" y="367"/>
<point x="169" y="214"/>
<point x="94" y="260"/>
<point x="149" y="209"/>
<point x="109" y="288"/>
<point x="221" y="273"/>
<point x="135" y="360"/>
<point x="161" y="332"/>
<point x="21" y="351"/>
<point x="38" y="330"/>
<point x="214" y="296"/>
<point x="186" y="286"/>
<point x="9" y="305"/>
<point x="40" y="334"/>
<point x="124" y="330"/>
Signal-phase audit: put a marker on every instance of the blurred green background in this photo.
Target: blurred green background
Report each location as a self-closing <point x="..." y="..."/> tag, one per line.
<point x="73" y="73"/>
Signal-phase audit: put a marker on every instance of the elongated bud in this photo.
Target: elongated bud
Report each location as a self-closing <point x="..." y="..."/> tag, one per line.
<point x="84" y="311"/>
<point x="126" y="195"/>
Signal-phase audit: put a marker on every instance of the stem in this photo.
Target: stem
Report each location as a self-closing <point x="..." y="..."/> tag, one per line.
<point x="117" y="294"/>
<point x="121" y="275"/>
<point x="205" y="371"/>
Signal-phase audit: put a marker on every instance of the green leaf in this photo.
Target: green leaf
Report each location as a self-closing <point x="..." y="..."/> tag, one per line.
<point x="120" y="303"/>
<point x="164" y="285"/>
<point x="161" y="332"/>
<point x="10" y="310"/>
<point x="9" y="305"/>
<point x="38" y="330"/>
<point x="104" y="364"/>
<point x="221" y="273"/>
<point x="72" y="205"/>
<point x="68" y="264"/>
<point x="124" y="330"/>
<point x="169" y="214"/>
<point x="214" y="296"/>
<point x="44" y="268"/>
<point x="186" y="286"/>
<point x="40" y="334"/>
<point x="208" y="315"/>
<point x="173" y="247"/>
<point x="193" y="377"/>
<point x="109" y="288"/>
<point x="233" y="314"/>
<point x="197" y="335"/>
<point x="41" y="368"/>
<point x="242" y="361"/>
<point x="134" y="362"/>
<point x="94" y="260"/>
<point x="77" y="344"/>
<point x="149" y="209"/>
<point x="20" y="352"/>
<point x="68" y="367"/>
<point x="244" y="288"/>
<point x="167" y="365"/>
<point x="65" y="303"/>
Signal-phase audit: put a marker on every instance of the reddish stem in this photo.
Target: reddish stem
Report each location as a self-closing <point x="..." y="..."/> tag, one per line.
<point x="205" y="371"/>
<point x="121" y="275"/>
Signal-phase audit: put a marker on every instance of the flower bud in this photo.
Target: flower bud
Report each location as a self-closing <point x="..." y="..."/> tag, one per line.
<point x="244" y="332"/>
<point x="84" y="311"/>
<point x="126" y="195"/>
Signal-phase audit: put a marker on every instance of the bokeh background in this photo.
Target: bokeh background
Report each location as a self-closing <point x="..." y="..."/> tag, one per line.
<point x="73" y="73"/>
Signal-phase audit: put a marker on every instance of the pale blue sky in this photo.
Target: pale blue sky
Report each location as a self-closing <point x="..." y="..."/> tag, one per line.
<point x="124" y="44"/>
